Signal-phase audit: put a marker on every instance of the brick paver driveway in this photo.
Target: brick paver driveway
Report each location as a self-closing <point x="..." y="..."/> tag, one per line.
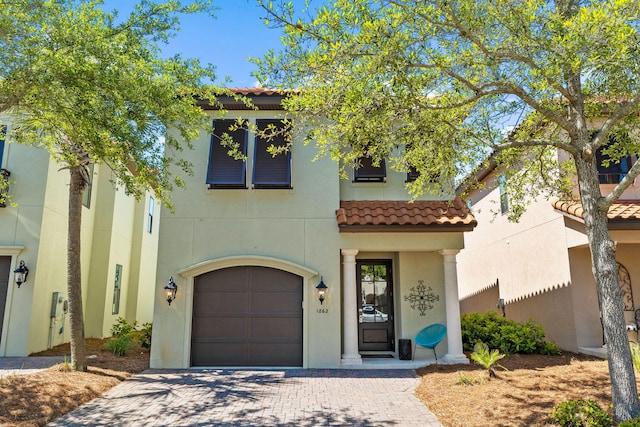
<point x="297" y="397"/>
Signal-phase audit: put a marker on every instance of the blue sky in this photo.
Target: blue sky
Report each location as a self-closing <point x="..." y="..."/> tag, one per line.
<point x="226" y="41"/>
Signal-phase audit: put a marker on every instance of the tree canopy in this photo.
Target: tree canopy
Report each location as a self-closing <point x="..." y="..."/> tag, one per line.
<point x="92" y="87"/>
<point x="441" y="84"/>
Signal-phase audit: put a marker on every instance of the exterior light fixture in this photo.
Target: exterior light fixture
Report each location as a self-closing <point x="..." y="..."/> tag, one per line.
<point x="172" y="289"/>
<point x="501" y="306"/>
<point x="321" y="291"/>
<point x="21" y="273"/>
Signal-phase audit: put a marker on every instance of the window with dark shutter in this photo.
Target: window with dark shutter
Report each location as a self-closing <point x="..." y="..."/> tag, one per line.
<point x="271" y="171"/>
<point x="367" y="172"/>
<point x="224" y="171"/>
<point x="614" y="172"/>
<point x="412" y="174"/>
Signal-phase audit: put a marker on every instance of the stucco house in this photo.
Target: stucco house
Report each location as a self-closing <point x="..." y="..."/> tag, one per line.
<point x="540" y="267"/>
<point x="252" y="244"/>
<point x="119" y="249"/>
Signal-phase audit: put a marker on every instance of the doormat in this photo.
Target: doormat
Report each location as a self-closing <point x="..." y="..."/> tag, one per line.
<point x="377" y="356"/>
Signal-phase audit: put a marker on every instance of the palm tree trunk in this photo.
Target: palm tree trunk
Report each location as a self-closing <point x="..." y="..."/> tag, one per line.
<point x="74" y="273"/>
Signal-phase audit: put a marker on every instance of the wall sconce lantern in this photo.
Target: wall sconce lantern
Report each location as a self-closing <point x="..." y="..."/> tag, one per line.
<point x="172" y="289"/>
<point x="21" y="273"/>
<point x="321" y="290"/>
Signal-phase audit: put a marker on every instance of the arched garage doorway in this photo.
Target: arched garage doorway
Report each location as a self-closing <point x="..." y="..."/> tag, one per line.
<point x="247" y="316"/>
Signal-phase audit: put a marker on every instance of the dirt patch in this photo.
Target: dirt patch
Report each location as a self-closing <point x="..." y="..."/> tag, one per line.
<point x="36" y="399"/>
<point x="523" y="395"/>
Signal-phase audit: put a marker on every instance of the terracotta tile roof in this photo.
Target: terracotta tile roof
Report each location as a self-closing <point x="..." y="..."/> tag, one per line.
<point x="620" y="211"/>
<point x="423" y="215"/>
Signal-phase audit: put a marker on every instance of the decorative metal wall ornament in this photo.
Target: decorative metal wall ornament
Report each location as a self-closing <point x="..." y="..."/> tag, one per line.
<point x="422" y="298"/>
<point x="625" y="285"/>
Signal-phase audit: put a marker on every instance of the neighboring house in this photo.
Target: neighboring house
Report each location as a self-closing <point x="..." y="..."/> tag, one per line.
<point x="250" y="242"/>
<point x="119" y="250"/>
<point x="540" y="267"/>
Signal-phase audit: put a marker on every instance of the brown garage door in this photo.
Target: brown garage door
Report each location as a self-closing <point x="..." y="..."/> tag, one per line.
<point x="247" y="316"/>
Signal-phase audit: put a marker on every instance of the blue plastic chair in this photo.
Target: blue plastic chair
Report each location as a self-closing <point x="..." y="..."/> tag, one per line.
<point x="430" y="337"/>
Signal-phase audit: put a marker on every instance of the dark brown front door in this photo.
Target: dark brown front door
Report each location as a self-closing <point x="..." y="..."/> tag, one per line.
<point x="375" y="305"/>
<point x="5" y="265"/>
<point x="247" y="316"/>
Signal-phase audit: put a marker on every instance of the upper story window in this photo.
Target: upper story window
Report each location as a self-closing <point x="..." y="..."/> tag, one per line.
<point x="367" y="172"/>
<point x="271" y="171"/>
<point x="614" y="172"/>
<point x="504" y="198"/>
<point x="412" y="174"/>
<point x="225" y="171"/>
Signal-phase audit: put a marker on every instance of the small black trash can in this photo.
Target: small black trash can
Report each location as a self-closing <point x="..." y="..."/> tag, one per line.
<point x="404" y="349"/>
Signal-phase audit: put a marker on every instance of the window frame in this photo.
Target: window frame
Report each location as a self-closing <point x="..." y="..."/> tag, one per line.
<point x="366" y="172"/>
<point x="117" y="290"/>
<point x="504" y="197"/>
<point x="88" y="188"/>
<point x="224" y="180"/>
<point x="615" y="172"/>
<point x="3" y="136"/>
<point x="265" y="166"/>
<point x="152" y="206"/>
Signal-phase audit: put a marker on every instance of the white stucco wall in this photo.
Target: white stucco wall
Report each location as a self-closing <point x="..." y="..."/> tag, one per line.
<point x="527" y="257"/>
<point x="296" y="226"/>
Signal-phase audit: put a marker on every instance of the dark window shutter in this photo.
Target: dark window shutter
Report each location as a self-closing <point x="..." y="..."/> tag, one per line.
<point x="270" y="171"/>
<point x="224" y="171"/>
<point x="366" y="172"/>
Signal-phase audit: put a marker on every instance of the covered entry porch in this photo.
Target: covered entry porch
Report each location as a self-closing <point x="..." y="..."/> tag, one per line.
<point x="399" y="276"/>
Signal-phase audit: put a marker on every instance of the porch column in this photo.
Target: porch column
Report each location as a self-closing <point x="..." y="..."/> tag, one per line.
<point x="454" y="333"/>
<point x="349" y="309"/>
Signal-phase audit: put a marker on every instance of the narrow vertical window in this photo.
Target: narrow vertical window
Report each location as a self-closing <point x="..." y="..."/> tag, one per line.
<point x="271" y="171"/>
<point x="3" y="134"/>
<point x="504" y="198"/>
<point x="86" y="193"/>
<point x="115" y="308"/>
<point x="150" y="216"/>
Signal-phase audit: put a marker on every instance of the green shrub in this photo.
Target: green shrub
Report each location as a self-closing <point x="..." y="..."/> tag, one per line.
<point x="635" y="422"/>
<point x="580" y="413"/>
<point x="123" y="333"/>
<point x="119" y="345"/>
<point x="122" y="327"/>
<point x="144" y="335"/>
<point x="486" y="358"/>
<point x="549" y="348"/>
<point x="505" y="335"/>
<point x="465" y="379"/>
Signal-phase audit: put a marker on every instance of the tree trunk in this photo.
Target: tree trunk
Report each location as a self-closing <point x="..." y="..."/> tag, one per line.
<point x="605" y="270"/>
<point x="74" y="273"/>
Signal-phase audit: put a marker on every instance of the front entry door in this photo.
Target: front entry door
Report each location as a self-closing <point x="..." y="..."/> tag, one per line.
<point x="375" y="305"/>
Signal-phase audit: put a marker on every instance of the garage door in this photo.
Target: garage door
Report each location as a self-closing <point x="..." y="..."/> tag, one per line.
<point x="247" y="316"/>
